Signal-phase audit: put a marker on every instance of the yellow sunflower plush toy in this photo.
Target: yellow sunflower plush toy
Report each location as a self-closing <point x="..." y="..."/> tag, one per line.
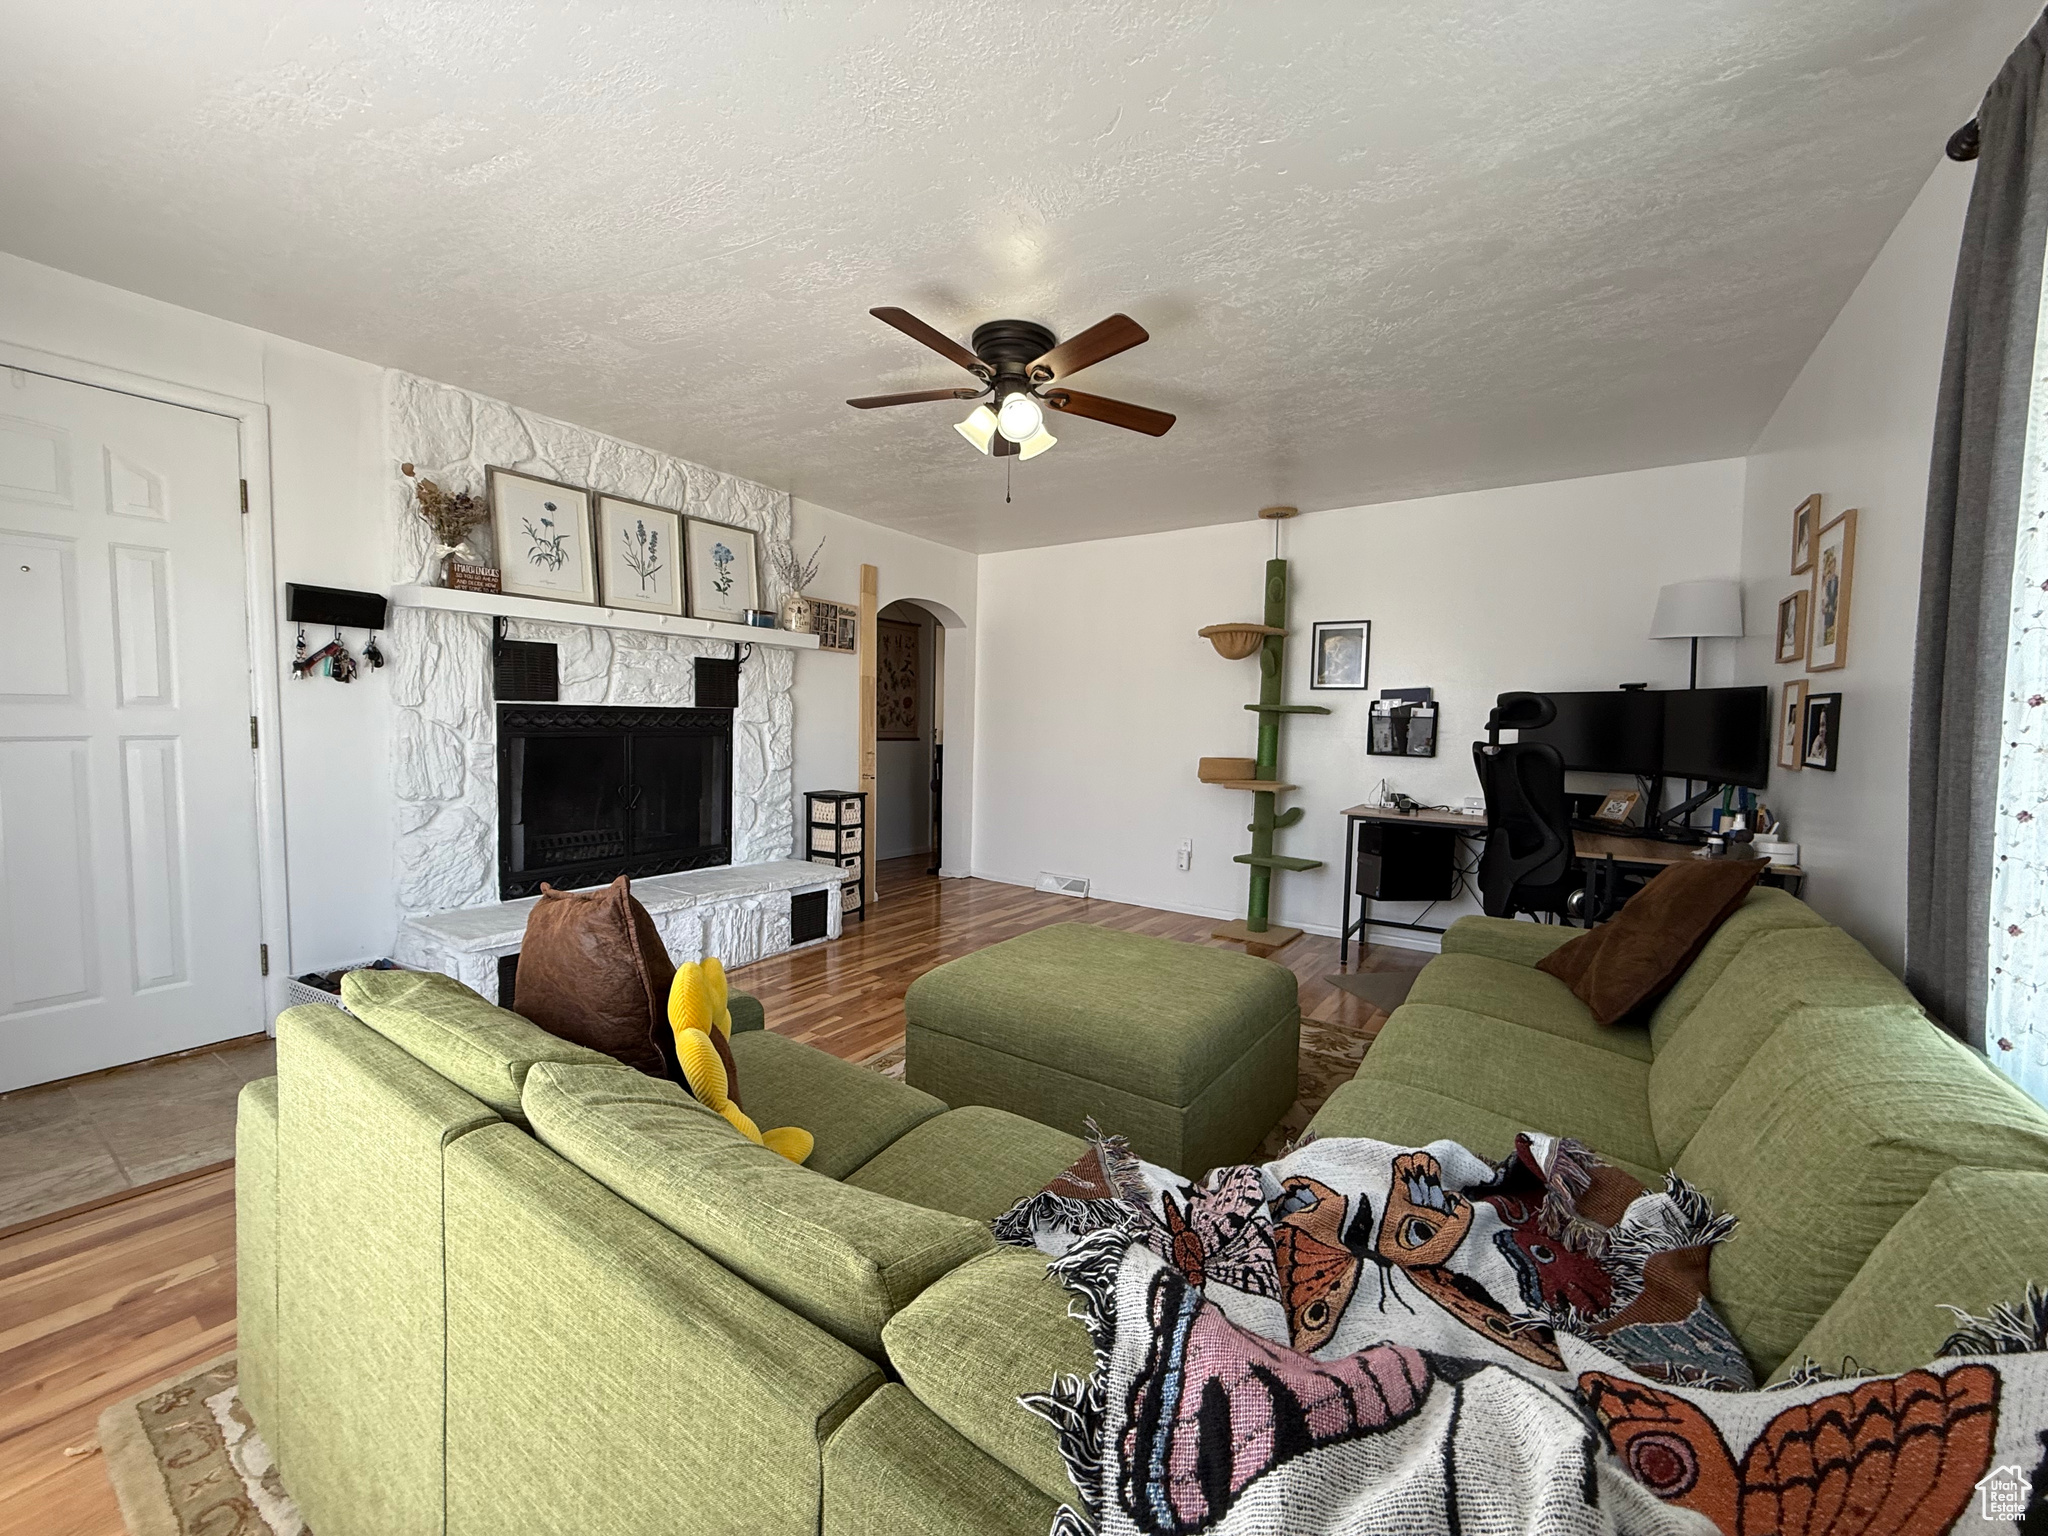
<point x="702" y="1022"/>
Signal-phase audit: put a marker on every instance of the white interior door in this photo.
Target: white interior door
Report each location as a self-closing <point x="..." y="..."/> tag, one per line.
<point x="129" y="903"/>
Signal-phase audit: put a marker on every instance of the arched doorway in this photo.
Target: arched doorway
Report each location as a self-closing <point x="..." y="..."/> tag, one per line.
<point x="910" y="730"/>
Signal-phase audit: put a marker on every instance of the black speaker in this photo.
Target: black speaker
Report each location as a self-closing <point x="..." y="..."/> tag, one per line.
<point x="526" y="671"/>
<point x="718" y="683"/>
<point x="1397" y="863"/>
<point x="809" y="915"/>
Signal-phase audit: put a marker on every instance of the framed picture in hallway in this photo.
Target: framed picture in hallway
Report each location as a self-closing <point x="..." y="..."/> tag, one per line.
<point x="1805" y="518"/>
<point x="1834" y="573"/>
<point x="543" y="533"/>
<point x="640" y="556"/>
<point x="724" y="572"/>
<point x="896" y="680"/>
<point x="1792" y="724"/>
<point x="1792" y="628"/>
<point x="1823" y="731"/>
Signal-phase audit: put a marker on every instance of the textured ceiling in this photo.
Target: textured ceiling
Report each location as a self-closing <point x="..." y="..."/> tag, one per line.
<point x="1384" y="247"/>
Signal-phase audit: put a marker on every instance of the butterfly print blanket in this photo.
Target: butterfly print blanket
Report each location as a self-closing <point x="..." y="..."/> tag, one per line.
<point x="1360" y="1337"/>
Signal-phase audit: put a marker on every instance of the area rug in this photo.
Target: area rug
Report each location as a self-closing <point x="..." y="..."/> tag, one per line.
<point x="185" y="1460"/>
<point x="1329" y="1058"/>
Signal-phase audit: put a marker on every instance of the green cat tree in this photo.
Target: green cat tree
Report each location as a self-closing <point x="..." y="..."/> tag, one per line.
<point x="1235" y="642"/>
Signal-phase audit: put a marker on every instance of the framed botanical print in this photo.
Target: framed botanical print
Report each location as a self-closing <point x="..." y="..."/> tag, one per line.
<point x="1792" y="724"/>
<point x="1805" y="519"/>
<point x="1792" y="628"/>
<point x="1823" y="737"/>
<point x="896" y="680"/>
<point x="1339" y="653"/>
<point x="1834" y="573"/>
<point x="639" y="556"/>
<point x="724" y="571"/>
<point x="543" y="534"/>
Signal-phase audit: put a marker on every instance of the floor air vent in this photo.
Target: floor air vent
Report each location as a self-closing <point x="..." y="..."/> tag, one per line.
<point x="1062" y="885"/>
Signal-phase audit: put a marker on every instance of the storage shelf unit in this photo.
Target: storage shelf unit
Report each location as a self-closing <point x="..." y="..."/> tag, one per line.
<point x="546" y="612"/>
<point x="836" y="833"/>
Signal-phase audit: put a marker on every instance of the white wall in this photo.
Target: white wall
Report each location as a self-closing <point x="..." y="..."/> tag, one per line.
<point x="1858" y="426"/>
<point x="941" y="579"/>
<point x="330" y="482"/>
<point x="1098" y="697"/>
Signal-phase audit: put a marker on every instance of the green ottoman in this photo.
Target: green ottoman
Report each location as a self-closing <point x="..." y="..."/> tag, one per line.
<point x="1188" y="1051"/>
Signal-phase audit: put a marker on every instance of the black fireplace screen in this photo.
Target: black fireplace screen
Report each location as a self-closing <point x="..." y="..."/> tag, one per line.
<point x="587" y="793"/>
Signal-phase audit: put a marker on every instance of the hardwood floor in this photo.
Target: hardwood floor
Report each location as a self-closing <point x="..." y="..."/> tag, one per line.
<point x="98" y="1305"/>
<point x="94" y="1308"/>
<point x="847" y="997"/>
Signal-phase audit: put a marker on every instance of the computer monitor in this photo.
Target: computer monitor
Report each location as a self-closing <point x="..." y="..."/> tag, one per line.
<point x="1721" y="735"/>
<point x="1608" y="732"/>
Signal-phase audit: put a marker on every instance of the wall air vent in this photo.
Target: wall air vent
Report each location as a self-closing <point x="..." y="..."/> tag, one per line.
<point x="1062" y="885"/>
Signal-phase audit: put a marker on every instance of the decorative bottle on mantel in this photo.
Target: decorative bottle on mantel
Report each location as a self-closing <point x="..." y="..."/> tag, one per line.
<point x="797" y="615"/>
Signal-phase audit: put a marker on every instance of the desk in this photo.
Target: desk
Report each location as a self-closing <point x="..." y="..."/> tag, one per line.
<point x="1469" y="826"/>
<point x="1588" y="849"/>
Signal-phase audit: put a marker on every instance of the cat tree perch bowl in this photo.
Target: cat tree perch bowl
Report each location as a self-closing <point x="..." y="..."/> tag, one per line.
<point x="1234" y="642"/>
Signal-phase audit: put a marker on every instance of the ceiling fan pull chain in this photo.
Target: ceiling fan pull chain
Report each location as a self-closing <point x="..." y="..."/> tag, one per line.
<point x="1006" y="482"/>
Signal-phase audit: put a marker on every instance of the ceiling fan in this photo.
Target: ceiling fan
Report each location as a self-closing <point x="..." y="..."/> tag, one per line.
<point x="1023" y="366"/>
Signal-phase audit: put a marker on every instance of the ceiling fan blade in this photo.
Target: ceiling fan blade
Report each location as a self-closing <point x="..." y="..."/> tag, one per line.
<point x="1000" y="447"/>
<point x="1118" y="413"/>
<point x="918" y="397"/>
<point x="937" y="340"/>
<point x="1106" y="338"/>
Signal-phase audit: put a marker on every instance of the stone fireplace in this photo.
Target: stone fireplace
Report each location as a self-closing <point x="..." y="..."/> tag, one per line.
<point x="446" y="751"/>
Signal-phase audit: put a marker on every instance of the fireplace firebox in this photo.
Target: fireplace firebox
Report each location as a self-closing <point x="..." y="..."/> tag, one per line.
<point x="587" y="793"/>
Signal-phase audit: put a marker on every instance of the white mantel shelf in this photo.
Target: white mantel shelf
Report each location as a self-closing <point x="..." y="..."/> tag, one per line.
<point x="542" y="610"/>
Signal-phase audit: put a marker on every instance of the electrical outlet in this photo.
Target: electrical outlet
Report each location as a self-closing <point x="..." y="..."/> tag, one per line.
<point x="1184" y="856"/>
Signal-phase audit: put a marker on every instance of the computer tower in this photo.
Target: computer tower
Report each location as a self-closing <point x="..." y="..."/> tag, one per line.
<point x="1397" y="863"/>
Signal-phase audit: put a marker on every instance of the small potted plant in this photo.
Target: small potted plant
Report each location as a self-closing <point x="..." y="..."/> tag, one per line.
<point x="796" y="575"/>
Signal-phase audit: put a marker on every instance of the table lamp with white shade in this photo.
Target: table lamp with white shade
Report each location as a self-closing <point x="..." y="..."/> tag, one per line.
<point x="1696" y="611"/>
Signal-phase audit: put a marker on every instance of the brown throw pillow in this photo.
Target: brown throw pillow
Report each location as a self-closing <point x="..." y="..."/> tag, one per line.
<point x="593" y="970"/>
<point x="1622" y="967"/>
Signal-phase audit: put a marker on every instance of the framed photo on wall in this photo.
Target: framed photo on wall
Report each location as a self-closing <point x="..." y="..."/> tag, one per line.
<point x="1792" y="724"/>
<point x="1792" y="628"/>
<point x="1823" y="736"/>
<point x="543" y="533"/>
<point x="639" y="556"/>
<point x="1834" y="574"/>
<point x="837" y="625"/>
<point x="724" y="571"/>
<point x="1339" y="653"/>
<point x="896" y="665"/>
<point x="1805" y="519"/>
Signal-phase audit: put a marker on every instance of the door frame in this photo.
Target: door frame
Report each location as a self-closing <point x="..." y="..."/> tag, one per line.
<point x="259" y="581"/>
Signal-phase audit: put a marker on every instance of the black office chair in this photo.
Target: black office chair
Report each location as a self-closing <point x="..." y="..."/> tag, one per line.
<point x="1527" y="865"/>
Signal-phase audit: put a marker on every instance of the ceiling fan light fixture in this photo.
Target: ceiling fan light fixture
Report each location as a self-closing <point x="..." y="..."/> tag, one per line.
<point x="1020" y="418"/>
<point x="1032" y="447"/>
<point x="979" y="428"/>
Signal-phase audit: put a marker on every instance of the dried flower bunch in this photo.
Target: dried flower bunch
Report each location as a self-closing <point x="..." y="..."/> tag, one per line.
<point x="796" y="574"/>
<point x="452" y="518"/>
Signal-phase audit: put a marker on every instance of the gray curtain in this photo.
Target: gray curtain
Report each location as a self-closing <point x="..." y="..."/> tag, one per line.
<point x="1973" y="494"/>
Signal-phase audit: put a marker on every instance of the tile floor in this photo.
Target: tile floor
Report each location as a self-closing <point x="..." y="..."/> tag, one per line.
<point x="67" y="1143"/>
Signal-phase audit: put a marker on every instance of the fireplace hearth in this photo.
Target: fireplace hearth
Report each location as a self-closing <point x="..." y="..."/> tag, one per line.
<point x="587" y="793"/>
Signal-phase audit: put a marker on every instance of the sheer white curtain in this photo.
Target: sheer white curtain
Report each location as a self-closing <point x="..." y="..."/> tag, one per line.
<point x="2016" y="996"/>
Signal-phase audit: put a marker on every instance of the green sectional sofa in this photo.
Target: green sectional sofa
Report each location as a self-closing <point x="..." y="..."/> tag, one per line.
<point x="492" y="1282"/>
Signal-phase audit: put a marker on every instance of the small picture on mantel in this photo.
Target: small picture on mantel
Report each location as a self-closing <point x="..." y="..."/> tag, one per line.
<point x="543" y="534"/>
<point x="835" y="624"/>
<point x="724" y="577"/>
<point x="640" y="555"/>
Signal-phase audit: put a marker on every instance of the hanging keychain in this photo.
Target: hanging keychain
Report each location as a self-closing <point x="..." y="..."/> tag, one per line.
<point x="341" y="666"/>
<point x="371" y="655"/>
